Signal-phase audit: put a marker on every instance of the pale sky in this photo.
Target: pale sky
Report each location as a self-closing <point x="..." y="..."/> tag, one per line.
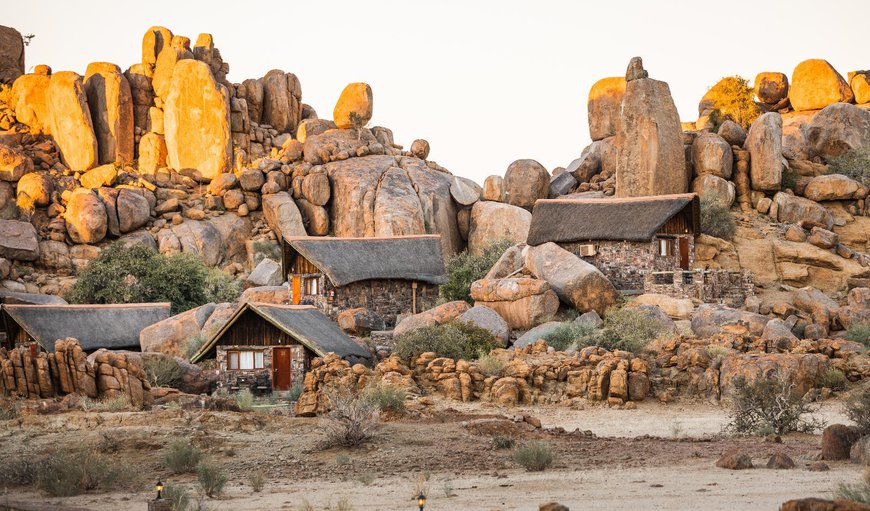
<point x="485" y="82"/>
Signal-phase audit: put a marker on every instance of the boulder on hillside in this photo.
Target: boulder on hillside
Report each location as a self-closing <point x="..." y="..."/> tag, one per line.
<point x="164" y="68"/>
<point x="837" y="441"/>
<point x="18" y="241"/>
<point x="709" y="319"/>
<point x="791" y="209"/>
<point x="764" y="143"/>
<point x="110" y="102"/>
<point x="196" y="121"/>
<point x="464" y="191"/>
<point x="37" y="187"/>
<point x="13" y="163"/>
<point x="839" y="129"/>
<point x="152" y="153"/>
<point x="171" y="335"/>
<point x="711" y="154"/>
<point x="815" y="84"/>
<point x="29" y="102"/>
<point x="732" y="132"/>
<point x="817" y="304"/>
<point x="857" y="308"/>
<point x="649" y="139"/>
<point x="279" y="295"/>
<point x="11" y="55"/>
<point x="777" y="330"/>
<point x="267" y="273"/>
<point x="859" y="81"/>
<point x="676" y="308"/>
<point x="576" y="282"/>
<point x="71" y="126"/>
<point x="282" y="101"/>
<point x="538" y="332"/>
<point x="562" y="184"/>
<point x="603" y="106"/>
<point x="493" y="189"/>
<point x="202" y="239"/>
<point x="525" y="182"/>
<point x="708" y="185"/>
<point x="439" y="315"/>
<point x="354" y="107"/>
<point x="771" y="88"/>
<point x="493" y="221"/>
<point x="282" y="215"/>
<point x="489" y="319"/>
<point x="126" y="209"/>
<point x="522" y="302"/>
<point x="833" y="187"/>
<point x="360" y="321"/>
<point x="803" y="370"/>
<point x="86" y="218"/>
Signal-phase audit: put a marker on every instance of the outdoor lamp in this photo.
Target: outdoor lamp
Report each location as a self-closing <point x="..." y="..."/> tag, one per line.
<point x="421" y="501"/>
<point x="159" y="490"/>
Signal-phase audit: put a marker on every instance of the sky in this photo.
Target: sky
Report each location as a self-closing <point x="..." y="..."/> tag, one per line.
<point x="485" y="82"/>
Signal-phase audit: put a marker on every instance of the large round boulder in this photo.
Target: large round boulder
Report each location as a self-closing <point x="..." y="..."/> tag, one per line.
<point x="576" y="282"/>
<point x="493" y="221"/>
<point x="771" y="88"/>
<point x="525" y="182"/>
<point x="723" y="192"/>
<point x="35" y="189"/>
<point x="603" y="106"/>
<point x="11" y="55"/>
<point x="832" y="187"/>
<point x="86" y="218"/>
<point x="711" y="154"/>
<point x="839" y="129"/>
<point x="816" y="84"/>
<point x="486" y="318"/>
<point x="354" y="107"/>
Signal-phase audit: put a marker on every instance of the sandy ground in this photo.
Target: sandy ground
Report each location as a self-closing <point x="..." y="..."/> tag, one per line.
<point x="634" y="462"/>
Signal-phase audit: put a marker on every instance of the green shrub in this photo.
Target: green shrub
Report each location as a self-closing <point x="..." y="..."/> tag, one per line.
<point x="789" y="179"/>
<point x="490" y="365"/>
<point x="854" y="164"/>
<point x="211" y="479"/>
<point x="136" y="274"/>
<point x="503" y="442"/>
<point x="295" y="392"/>
<point x="257" y="480"/>
<point x="770" y="405"/>
<point x="464" y="268"/>
<point x="833" y="379"/>
<point x="245" y="399"/>
<point x="859" y="332"/>
<point x="67" y="472"/>
<point x="386" y="397"/>
<point x="182" y="457"/>
<point x="716" y="219"/>
<point x="567" y="335"/>
<point x="192" y="346"/>
<point x="733" y="98"/>
<point x="858" y="411"/>
<point x="627" y="329"/>
<point x="534" y="456"/>
<point x="178" y="497"/>
<point x="456" y="339"/>
<point x="162" y="371"/>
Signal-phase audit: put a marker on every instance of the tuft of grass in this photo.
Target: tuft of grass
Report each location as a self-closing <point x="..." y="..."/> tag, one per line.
<point x="163" y="371"/>
<point x="490" y="365"/>
<point x="257" y="480"/>
<point x="386" y="397"/>
<point x="178" y="497"/>
<point x="211" y="479"/>
<point x="245" y="399"/>
<point x="503" y="442"/>
<point x="859" y="492"/>
<point x="366" y="478"/>
<point x="106" y="404"/>
<point x="628" y="329"/>
<point x="859" y="332"/>
<point x="534" y="456"/>
<point x="182" y="457"/>
<point x="833" y="379"/>
<point x="193" y="345"/>
<point x="66" y="472"/>
<point x="295" y="392"/>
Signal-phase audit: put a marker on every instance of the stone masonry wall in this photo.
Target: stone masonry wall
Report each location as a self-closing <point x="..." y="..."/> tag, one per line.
<point x="389" y="298"/>
<point x="254" y="378"/>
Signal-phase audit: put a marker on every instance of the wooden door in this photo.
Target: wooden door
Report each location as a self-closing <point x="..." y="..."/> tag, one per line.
<point x="281" y="375"/>
<point x="297" y="289"/>
<point x="684" y="253"/>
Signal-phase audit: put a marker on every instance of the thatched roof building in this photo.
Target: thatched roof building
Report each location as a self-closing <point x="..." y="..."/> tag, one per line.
<point x="18" y="297"/>
<point x="348" y="260"/>
<point x="113" y="327"/>
<point x="304" y="323"/>
<point x="626" y="219"/>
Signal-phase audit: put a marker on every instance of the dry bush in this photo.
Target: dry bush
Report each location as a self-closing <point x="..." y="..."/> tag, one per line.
<point x="106" y="404"/>
<point x="503" y="442"/>
<point x="859" y="492"/>
<point x="770" y="406"/>
<point x="465" y="267"/>
<point x="350" y="421"/>
<point x="66" y="472"/>
<point x="257" y="480"/>
<point x="385" y="397"/>
<point x="568" y="335"/>
<point x="162" y="371"/>
<point x="534" y="456"/>
<point x="858" y="411"/>
<point x="859" y="332"/>
<point x="490" y="365"/>
<point x="182" y="457"/>
<point x="178" y="497"/>
<point x="854" y="164"/>
<point x="456" y="340"/>
<point x="833" y="379"/>
<point x="245" y="399"/>
<point x="716" y="219"/>
<point x="211" y="479"/>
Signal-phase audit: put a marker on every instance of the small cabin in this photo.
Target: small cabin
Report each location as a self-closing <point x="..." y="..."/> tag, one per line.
<point x="114" y="327"/>
<point x="266" y="347"/>
<point x="388" y="276"/>
<point x="625" y="238"/>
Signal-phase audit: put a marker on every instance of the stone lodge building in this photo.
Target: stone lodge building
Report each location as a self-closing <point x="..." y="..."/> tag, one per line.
<point x="266" y="347"/>
<point x="387" y="276"/>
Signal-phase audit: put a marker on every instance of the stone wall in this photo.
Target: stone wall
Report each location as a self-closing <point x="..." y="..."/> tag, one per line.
<point x="259" y="380"/>
<point x="388" y="298"/>
<point x="709" y="286"/>
<point x="626" y="262"/>
<point x="68" y="370"/>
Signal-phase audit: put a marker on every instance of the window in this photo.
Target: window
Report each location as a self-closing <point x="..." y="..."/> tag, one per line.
<point x="665" y="247"/>
<point x="310" y="285"/>
<point x="244" y="359"/>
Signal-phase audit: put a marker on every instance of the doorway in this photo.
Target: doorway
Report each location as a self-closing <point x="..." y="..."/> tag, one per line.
<point x="282" y="378"/>
<point x="684" y="253"/>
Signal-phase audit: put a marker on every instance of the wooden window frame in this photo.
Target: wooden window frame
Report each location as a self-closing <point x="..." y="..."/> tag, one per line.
<point x="238" y="352"/>
<point x="668" y="243"/>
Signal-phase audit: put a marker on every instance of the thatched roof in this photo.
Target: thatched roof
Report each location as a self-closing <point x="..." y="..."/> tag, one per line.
<point x="628" y="219"/>
<point x="29" y="298"/>
<point x="305" y="323"/>
<point x="347" y="260"/>
<point x="95" y="326"/>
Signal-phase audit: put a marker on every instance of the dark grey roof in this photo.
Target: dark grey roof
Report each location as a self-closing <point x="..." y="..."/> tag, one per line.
<point x="305" y="323"/>
<point x="628" y="219"/>
<point x="29" y="298"/>
<point x="95" y="326"/>
<point x="347" y="260"/>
